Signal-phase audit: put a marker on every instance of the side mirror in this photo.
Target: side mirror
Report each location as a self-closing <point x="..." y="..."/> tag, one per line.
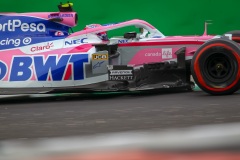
<point x="130" y="35"/>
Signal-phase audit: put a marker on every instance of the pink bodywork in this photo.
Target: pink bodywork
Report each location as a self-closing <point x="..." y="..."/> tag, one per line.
<point x="154" y="45"/>
<point x="174" y="42"/>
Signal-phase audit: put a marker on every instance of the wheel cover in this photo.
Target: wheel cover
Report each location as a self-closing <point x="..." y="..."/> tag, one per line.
<point x="218" y="68"/>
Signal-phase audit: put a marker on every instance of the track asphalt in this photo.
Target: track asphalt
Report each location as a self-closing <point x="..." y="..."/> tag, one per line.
<point x="77" y="115"/>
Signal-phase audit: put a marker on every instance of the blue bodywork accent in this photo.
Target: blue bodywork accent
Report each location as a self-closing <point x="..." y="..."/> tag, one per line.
<point x="14" y="30"/>
<point x="20" y="70"/>
<point x="56" y="68"/>
<point x="23" y="68"/>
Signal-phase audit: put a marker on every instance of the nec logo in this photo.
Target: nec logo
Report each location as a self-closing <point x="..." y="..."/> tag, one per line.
<point x="123" y="41"/>
<point x="75" y="41"/>
<point x="13" y="25"/>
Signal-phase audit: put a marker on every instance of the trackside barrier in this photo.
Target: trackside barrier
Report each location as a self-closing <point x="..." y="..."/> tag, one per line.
<point x="204" y="142"/>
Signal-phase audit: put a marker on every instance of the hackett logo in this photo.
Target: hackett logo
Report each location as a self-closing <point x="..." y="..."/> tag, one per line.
<point x="12" y="25"/>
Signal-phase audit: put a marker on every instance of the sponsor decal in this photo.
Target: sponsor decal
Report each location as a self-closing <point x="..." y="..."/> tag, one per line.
<point x="15" y="42"/>
<point x="156" y="54"/>
<point x="98" y="65"/>
<point x="93" y="26"/>
<point x="59" y="33"/>
<point x="9" y="41"/>
<point x="14" y="24"/>
<point x="167" y="53"/>
<point x="123" y="41"/>
<point x="120" y="73"/>
<point x="27" y="40"/>
<point x="64" y="15"/>
<point x="39" y="68"/>
<point x="75" y="41"/>
<point x="100" y="57"/>
<point x="109" y="24"/>
<point x="120" y="78"/>
<point x="42" y="48"/>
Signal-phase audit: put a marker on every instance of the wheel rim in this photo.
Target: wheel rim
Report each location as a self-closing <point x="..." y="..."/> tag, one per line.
<point x="219" y="68"/>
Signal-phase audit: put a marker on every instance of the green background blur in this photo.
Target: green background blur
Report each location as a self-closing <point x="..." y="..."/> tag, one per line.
<point x="172" y="17"/>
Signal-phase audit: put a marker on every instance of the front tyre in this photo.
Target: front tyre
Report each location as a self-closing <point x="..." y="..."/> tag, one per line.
<point x="215" y="67"/>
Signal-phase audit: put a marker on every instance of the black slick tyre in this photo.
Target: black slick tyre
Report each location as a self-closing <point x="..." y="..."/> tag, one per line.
<point x="215" y="67"/>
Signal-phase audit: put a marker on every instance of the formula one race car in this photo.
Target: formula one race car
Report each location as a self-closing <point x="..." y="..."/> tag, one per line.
<point x="40" y="55"/>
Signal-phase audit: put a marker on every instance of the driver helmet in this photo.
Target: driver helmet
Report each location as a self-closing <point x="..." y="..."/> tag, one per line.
<point x="102" y="35"/>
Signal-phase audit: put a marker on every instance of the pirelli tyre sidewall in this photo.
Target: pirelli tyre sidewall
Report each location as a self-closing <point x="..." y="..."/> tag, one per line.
<point x="215" y="67"/>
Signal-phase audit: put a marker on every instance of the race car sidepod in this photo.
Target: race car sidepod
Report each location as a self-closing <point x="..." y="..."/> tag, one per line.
<point x="153" y="76"/>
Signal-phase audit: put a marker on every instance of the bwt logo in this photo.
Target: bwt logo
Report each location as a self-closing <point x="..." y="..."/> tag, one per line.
<point x="12" y="25"/>
<point x="99" y="57"/>
<point x="40" y="68"/>
<point x="75" y="41"/>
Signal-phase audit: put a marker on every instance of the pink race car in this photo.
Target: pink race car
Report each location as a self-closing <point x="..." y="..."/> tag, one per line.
<point x="40" y="54"/>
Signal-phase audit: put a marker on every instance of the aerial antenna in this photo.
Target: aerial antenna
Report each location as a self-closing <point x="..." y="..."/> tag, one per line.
<point x="207" y="22"/>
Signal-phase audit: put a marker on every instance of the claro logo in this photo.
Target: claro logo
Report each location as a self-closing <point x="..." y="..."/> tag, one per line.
<point x="12" y="25"/>
<point x="42" y="48"/>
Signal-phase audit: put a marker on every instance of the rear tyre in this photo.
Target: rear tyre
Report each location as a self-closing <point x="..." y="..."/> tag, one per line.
<point x="215" y="67"/>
